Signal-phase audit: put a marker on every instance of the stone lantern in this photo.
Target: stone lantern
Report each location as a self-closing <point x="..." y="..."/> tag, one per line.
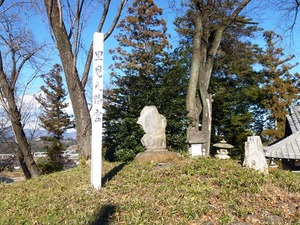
<point x="223" y="147"/>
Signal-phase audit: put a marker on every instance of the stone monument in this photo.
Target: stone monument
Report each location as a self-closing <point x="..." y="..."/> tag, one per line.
<point x="254" y="155"/>
<point x="154" y="140"/>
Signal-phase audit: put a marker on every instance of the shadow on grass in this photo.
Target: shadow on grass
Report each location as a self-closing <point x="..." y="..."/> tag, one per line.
<point x="113" y="172"/>
<point x="105" y="215"/>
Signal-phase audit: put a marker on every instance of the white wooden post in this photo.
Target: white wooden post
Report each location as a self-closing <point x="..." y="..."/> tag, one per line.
<point x="97" y="111"/>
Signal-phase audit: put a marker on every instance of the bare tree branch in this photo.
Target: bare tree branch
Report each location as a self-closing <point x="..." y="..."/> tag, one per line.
<point x="90" y="53"/>
<point x="121" y="7"/>
<point x="108" y="33"/>
<point x="236" y="12"/>
<point x="104" y="14"/>
<point x="10" y="6"/>
<point x="60" y="13"/>
<point x="76" y="16"/>
<point x="77" y="31"/>
<point x="17" y="73"/>
<point x="297" y="5"/>
<point x="289" y="13"/>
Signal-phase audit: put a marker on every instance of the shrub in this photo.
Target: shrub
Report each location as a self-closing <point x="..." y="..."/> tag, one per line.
<point x="126" y="154"/>
<point x="47" y="166"/>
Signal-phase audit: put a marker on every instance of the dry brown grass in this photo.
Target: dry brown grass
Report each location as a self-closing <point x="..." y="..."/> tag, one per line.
<point x="187" y="191"/>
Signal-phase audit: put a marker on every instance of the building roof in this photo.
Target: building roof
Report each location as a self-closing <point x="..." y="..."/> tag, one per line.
<point x="287" y="148"/>
<point x="293" y="119"/>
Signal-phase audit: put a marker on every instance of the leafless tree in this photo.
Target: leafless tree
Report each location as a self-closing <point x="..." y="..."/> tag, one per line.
<point x="18" y="51"/>
<point x="288" y="11"/>
<point x="68" y="20"/>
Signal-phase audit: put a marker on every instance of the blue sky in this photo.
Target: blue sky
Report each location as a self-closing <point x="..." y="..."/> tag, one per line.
<point x="267" y="17"/>
<point x="272" y="17"/>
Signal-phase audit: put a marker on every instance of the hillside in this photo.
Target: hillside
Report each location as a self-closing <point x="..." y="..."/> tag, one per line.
<point x="188" y="191"/>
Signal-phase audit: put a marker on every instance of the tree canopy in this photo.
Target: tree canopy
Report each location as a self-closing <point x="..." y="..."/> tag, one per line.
<point x="280" y="86"/>
<point x="148" y="75"/>
<point x="230" y="86"/>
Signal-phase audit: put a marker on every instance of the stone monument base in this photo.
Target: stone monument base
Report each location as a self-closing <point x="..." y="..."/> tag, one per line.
<point x="222" y="156"/>
<point x="196" y="150"/>
<point x="156" y="156"/>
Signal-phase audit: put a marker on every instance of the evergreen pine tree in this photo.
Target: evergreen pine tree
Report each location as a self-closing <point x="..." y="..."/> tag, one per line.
<point x="235" y="87"/>
<point x="147" y="76"/>
<point x="53" y="119"/>
<point x="281" y="87"/>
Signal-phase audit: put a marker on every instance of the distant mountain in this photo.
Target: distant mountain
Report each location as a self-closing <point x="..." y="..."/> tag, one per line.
<point x="70" y="135"/>
<point x="8" y="134"/>
<point x="8" y="145"/>
<point x="36" y="134"/>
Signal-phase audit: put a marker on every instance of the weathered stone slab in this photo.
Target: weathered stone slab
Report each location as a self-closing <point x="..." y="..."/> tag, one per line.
<point x="195" y="136"/>
<point x="154" y="125"/>
<point x="254" y="155"/>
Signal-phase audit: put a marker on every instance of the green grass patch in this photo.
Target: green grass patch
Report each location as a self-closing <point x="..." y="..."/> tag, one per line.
<point x="188" y="191"/>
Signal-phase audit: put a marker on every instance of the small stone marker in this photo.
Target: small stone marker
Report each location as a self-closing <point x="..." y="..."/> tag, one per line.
<point x="254" y="155"/>
<point x="196" y="140"/>
<point x="154" y="124"/>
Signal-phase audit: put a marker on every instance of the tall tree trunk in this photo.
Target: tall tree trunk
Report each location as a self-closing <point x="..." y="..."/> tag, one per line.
<point x="15" y="119"/>
<point x="210" y="44"/>
<point x="68" y="57"/>
<point x="206" y="41"/>
<point x="23" y="164"/>
<point x="193" y="103"/>
<point x="206" y="122"/>
<point x="20" y="137"/>
<point x="75" y="87"/>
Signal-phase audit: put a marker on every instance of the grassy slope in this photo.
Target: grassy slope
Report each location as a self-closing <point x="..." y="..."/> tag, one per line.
<point x="189" y="191"/>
